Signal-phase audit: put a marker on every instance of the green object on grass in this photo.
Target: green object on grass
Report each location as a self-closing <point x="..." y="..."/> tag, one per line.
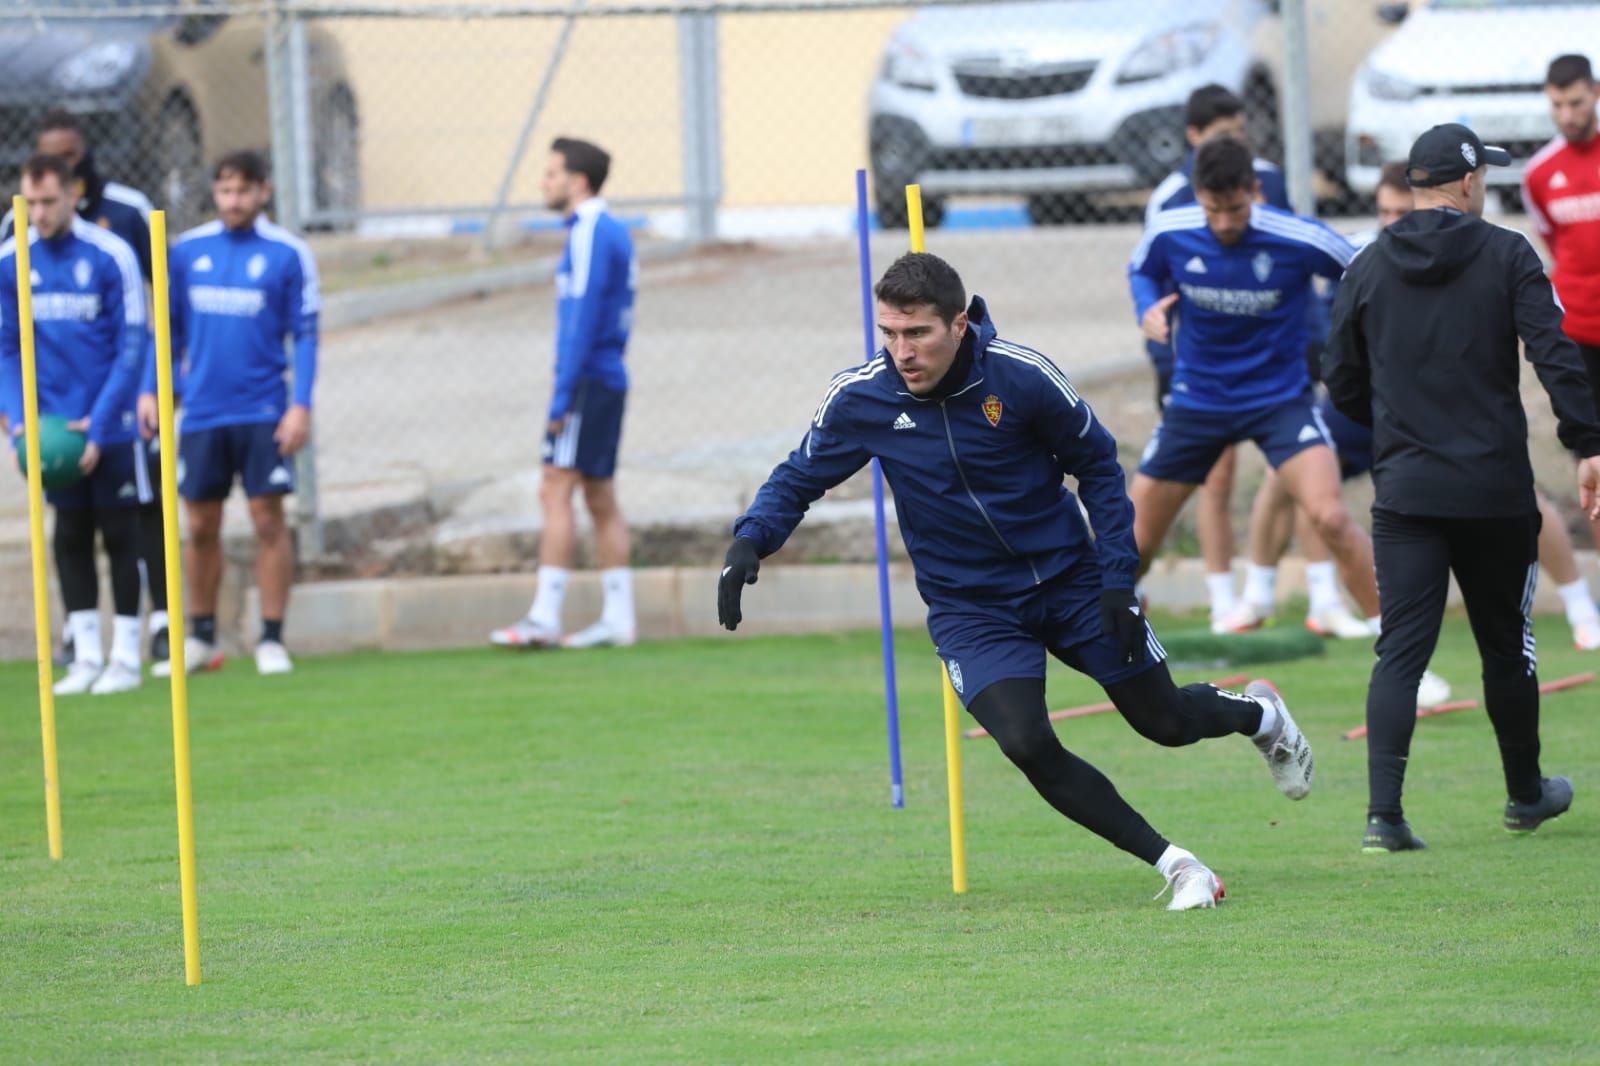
<point x="1201" y="647"/>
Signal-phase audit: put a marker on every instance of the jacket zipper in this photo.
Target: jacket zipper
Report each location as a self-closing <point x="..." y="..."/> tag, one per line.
<point x="962" y="474"/>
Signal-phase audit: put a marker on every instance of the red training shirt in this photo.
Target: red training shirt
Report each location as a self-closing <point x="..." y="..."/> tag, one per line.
<point x="1561" y="190"/>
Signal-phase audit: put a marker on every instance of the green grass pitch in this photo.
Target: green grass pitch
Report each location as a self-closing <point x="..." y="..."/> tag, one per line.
<point x="685" y="853"/>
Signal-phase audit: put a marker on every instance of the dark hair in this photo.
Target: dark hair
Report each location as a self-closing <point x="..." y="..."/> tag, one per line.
<point x="918" y="278"/>
<point x="1224" y="164"/>
<point x="248" y="165"/>
<point x="582" y="157"/>
<point x="1209" y="103"/>
<point x="1564" y="70"/>
<point x="1393" y="176"/>
<point x="59" y="118"/>
<point x="36" y="168"/>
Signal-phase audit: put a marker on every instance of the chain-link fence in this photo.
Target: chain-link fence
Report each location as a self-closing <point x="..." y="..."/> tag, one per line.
<point x="409" y="140"/>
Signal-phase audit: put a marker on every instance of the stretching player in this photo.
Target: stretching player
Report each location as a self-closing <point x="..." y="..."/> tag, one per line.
<point x="1244" y="277"/>
<point x="89" y="322"/>
<point x="1211" y="111"/>
<point x="974" y="435"/>
<point x="1274" y="513"/>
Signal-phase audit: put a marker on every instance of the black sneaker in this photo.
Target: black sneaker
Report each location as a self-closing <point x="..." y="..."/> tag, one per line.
<point x="1555" y="796"/>
<point x="160" y="653"/>
<point x="1383" y="835"/>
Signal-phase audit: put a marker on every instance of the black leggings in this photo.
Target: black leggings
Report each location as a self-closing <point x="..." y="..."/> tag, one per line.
<point x="1016" y="716"/>
<point x="152" y="553"/>
<point x="74" y="550"/>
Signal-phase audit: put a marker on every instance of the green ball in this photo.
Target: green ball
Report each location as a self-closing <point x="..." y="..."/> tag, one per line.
<point x="60" y="449"/>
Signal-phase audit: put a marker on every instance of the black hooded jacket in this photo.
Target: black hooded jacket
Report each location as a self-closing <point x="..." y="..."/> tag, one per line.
<point x="1424" y="348"/>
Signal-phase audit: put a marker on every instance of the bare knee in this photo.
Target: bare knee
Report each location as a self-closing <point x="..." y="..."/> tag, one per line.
<point x="600" y="497"/>
<point x="1331" y="521"/>
<point x="205" y="526"/>
<point x="266" y="514"/>
<point x="555" y="490"/>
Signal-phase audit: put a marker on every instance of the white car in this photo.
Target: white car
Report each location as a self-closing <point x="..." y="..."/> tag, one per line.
<point x="1477" y="62"/>
<point x="1049" y="101"/>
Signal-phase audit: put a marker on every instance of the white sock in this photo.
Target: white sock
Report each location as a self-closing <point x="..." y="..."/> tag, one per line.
<point x="87" y="646"/>
<point x="546" y="609"/>
<point x="1220" y="586"/>
<point x="1375" y="623"/>
<point x="1170" y="859"/>
<point x="1580" y="605"/>
<point x="158" y="621"/>
<point x="618" y="586"/>
<point x="1261" y="586"/>
<point x="125" y="640"/>
<point x="1322" y="586"/>
<point x="1269" y="718"/>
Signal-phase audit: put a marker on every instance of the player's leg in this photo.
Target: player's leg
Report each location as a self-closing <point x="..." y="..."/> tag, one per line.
<point x="268" y="476"/>
<point x="599" y="441"/>
<point x="1413" y="560"/>
<point x="114" y="495"/>
<point x="73" y="546"/>
<point x="207" y="466"/>
<point x="558" y="482"/>
<point x="1272" y="522"/>
<point x="1213" y="521"/>
<point x="1311" y="477"/>
<point x="1557" y="557"/>
<point x="1495" y="562"/>
<point x="1181" y="453"/>
<point x="1591" y="360"/>
<point x="152" y="551"/>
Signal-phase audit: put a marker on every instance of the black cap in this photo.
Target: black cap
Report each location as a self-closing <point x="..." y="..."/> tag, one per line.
<point x="1449" y="153"/>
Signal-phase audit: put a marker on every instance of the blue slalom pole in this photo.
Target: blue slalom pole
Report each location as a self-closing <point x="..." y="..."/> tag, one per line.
<point x="897" y="787"/>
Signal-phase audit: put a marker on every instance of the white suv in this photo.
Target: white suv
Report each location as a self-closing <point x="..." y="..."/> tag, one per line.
<point x="1046" y="100"/>
<point x="1477" y="62"/>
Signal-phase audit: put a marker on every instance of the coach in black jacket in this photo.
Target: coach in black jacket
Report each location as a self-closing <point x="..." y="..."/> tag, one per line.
<point x="1424" y="348"/>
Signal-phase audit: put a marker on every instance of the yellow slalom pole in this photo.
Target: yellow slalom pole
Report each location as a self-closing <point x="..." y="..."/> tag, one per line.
<point x="41" y="587"/>
<point x="952" y="706"/>
<point x="952" y="764"/>
<point x="175" y="622"/>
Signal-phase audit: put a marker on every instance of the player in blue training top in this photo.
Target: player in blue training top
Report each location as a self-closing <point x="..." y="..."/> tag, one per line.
<point x="126" y="212"/>
<point x="974" y="434"/>
<point x="1211" y="111"/>
<point x="594" y="315"/>
<point x="1243" y="273"/>
<point x="241" y="287"/>
<point x="89" y="333"/>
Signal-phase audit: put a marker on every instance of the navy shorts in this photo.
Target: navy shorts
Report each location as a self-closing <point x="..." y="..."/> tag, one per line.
<point x="982" y="643"/>
<point x="589" y="441"/>
<point x="1187" y="442"/>
<point x="116" y="481"/>
<point x="1351" y="440"/>
<point x="210" y="459"/>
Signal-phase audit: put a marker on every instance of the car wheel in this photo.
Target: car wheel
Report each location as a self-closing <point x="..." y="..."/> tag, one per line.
<point x="1059" y="209"/>
<point x="338" y="156"/>
<point x="180" y="164"/>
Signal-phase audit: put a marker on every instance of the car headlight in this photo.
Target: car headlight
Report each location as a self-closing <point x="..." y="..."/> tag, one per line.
<point x="1389" y="87"/>
<point x="103" y="66"/>
<point x="909" y="67"/>
<point x="1169" y="52"/>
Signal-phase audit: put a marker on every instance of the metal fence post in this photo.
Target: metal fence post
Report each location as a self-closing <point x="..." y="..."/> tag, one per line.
<point x="700" y="108"/>
<point x="1299" y="163"/>
<point x="291" y="132"/>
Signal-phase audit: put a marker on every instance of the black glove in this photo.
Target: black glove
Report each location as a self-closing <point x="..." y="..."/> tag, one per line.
<point x="738" y="570"/>
<point x="1123" y="619"/>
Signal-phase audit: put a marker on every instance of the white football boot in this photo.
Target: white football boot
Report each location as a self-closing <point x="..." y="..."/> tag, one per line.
<point x="525" y="633"/>
<point x="1244" y="617"/>
<point x="117" y="677"/>
<point x="80" y="678"/>
<point x="1340" y="624"/>
<point x="1286" y="749"/>
<point x="200" y="656"/>
<point x="273" y="658"/>
<point x="1193" y="885"/>
<point x="600" y="635"/>
<point x="1432" y="690"/>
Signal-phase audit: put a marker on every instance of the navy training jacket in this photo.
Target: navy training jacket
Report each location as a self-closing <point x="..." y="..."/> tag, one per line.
<point x="976" y="476"/>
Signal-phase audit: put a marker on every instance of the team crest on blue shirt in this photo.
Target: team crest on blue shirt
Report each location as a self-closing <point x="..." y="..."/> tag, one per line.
<point x="993" y="409"/>
<point x="256" y="267"/>
<point x="82" y="273"/>
<point x="1262" y="265"/>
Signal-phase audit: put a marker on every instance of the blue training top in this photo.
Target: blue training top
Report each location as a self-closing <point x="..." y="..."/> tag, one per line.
<point x="594" y="304"/>
<point x="88" y="328"/>
<point x="236" y="296"/>
<point x="977" y="475"/>
<point x="1241" y="331"/>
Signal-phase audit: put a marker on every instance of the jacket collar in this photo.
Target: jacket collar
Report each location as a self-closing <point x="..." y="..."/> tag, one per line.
<point x="589" y="210"/>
